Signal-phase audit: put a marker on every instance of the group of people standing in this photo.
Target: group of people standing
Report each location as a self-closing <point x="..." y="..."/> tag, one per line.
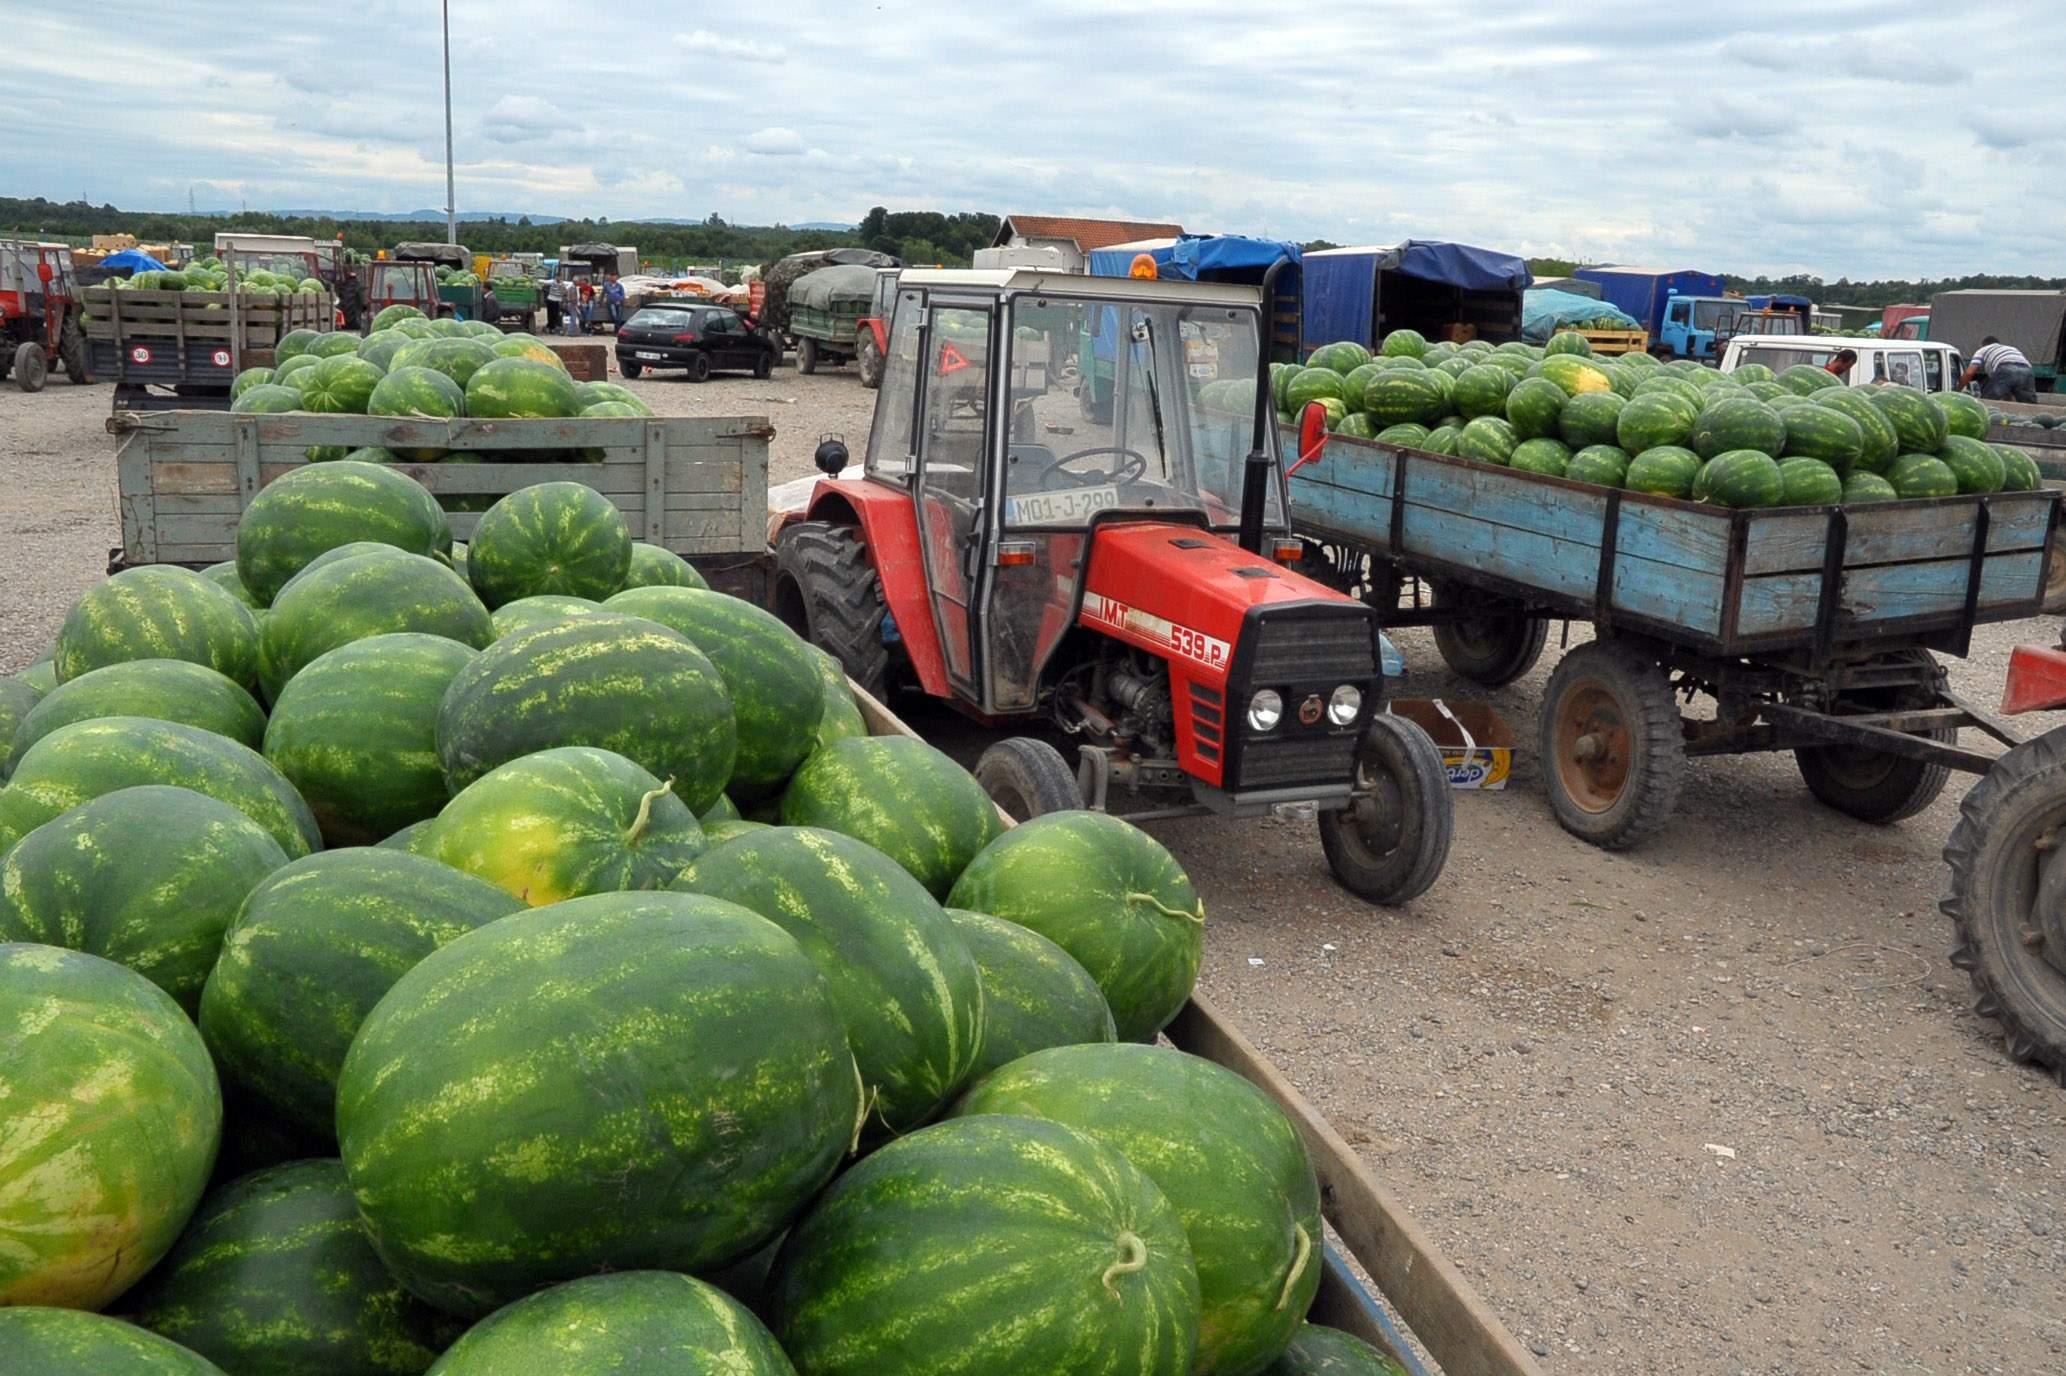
<point x="574" y="304"/>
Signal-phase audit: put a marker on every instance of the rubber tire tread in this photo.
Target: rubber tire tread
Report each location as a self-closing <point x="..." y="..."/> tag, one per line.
<point x="1515" y="656"/>
<point x="1916" y="784"/>
<point x="1032" y="770"/>
<point x="842" y="596"/>
<point x="1411" y="871"/>
<point x="1660" y="770"/>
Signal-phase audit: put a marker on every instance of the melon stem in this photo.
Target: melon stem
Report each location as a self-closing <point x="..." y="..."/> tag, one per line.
<point x="1298" y="1266"/>
<point x="645" y="813"/>
<point x="1196" y="915"/>
<point x="1133" y="1256"/>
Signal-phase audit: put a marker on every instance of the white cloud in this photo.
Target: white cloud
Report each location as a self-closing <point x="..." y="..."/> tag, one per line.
<point x="703" y="43"/>
<point x="775" y="143"/>
<point x="519" y="119"/>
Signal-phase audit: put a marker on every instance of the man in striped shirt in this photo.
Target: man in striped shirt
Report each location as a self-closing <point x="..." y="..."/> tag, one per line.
<point x="2006" y="369"/>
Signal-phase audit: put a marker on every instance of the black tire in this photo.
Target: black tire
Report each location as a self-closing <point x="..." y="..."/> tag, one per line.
<point x="1028" y="777"/>
<point x="31" y="367"/>
<point x="71" y="350"/>
<point x="828" y="592"/>
<point x="630" y="369"/>
<point x="1612" y="748"/>
<point x="1389" y="845"/>
<point x="765" y="368"/>
<point x="1492" y="650"/>
<point x="868" y="361"/>
<point x="2004" y="898"/>
<point x="807" y="356"/>
<point x="699" y="367"/>
<point x="1872" y="785"/>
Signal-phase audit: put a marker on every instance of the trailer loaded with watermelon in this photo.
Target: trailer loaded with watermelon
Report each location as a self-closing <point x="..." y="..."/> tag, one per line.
<point x="1795" y="550"/>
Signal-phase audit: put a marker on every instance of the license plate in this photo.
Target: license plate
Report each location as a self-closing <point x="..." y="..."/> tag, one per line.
<point x="654" y="357"/>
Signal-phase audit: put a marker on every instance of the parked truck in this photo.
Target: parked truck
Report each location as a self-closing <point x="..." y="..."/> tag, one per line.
<point x="826" y="309"/>
<point x="2032" y="321"/>
<point x="1681" y="308"/>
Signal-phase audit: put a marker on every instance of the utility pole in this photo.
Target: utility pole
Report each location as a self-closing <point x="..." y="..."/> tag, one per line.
<point x="451" y="198"/>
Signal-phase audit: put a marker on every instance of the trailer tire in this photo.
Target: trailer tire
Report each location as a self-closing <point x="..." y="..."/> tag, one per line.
<point x="868" y="361"/>
<point x="71" y="349"/>
<point x="1491" y="650"/>
<point x="1613" y="750"/>
<point x="828" y="592"/>
<point x="1871" y="785"/>
<point x="807" y="356"/>
<point x="2007" y="894"/>
<point x="31" y="367"/>
<point x="1028" y="778"/>
<point x="1389" y="845"/>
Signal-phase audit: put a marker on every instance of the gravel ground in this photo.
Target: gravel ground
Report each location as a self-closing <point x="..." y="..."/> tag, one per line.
<point x="1716" y="1106"/>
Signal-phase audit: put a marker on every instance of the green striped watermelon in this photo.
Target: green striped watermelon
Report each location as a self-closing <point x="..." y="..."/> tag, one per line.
<point x="316" y="945"/>
<point x="249" y="378"/>
<point x="731" y="829"/>
<point x="355" y="732"/>
<point x="1804" y="378"/>
<point x="413" y="838"/>
<point x="1015" y="1241"/>
<point x="162" y="689"/>
<point x="563" y="823"/>
<point x="1318" y="1351"/>
<point x="620" y="1323"/>
<point x="776" y="691"/>
<point x="277" y="1276"/>
<point x="270" y="398"/>
<point x="1863" y="486"/>
<point x="1229" y="1161"/>
<point x="1878" y="445"/>
<point x="563" y="538"/>
<point x="1487" y="439"/>
<point x="1576" y="375"/>
<point x="113" y="1116"/>
<point x="341" y="385"/>
<point x="1534" y="407"/>
<point x="1353" y="383"/>
<point x="1666" y="471"/>
<point x="1973" y="462"/>
<point x="1544" y="456"/>
<point x="654" y="567"/>
<point x="458" y="359"/>
<point x="2019" y="470"/>
<point x="1310" y="385"/>
<point x="1108" y="894"/>
<point x="1604" y="464"/>
<point x="1407" y="436"/>
<point x="417" y="394"/>
<point x="589" y="393"/>
<point x="334" y="345"/>
<point x="1738" y="422"/>
<point x="545" y="609"/>
<point x="73" y="1342"/>
<point x="519" y="1109"/>
<point x="1963" y="414"/>
<point x="380" y="347"/>
<point x="40" y="675"/>
<point x="905" y="985"/>
<point x="225" y="576"/>
<point x="1821" y="432"/>
<point x="391" y="315"/>
<point x="841" y="717"/>
<point x="521" y="388"/>
<point x="1344" y="356"/>
<point x="331" y="556"/>
<point x="91" y="758"/>
<point x="318" y="508"/>
<point x="1921" y="427"/>
<point x="1809" y="482"/>
<point x="1590" y="418"/>
<point x="158" y="611"/>
<point x="367" y="595"/>
<point x="1404" y="344"/>
<point x="1742" y="478"/>
<point x="1922" y="475"/>
<point x="148" y="877"/>
<point x="1482" y="390"/>
<point x="1035" y="994"/>
<point x="17" y="701"/>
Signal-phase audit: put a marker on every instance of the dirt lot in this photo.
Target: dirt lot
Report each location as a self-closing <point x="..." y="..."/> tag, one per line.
<point x="1716" y="1106"/>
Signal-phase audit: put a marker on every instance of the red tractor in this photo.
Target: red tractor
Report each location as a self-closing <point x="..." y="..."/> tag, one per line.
<point x="39" y="314"/>
<point x="1120" y="572"/>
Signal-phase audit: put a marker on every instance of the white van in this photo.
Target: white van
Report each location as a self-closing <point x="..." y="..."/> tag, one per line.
<point x="1927" y="365"/>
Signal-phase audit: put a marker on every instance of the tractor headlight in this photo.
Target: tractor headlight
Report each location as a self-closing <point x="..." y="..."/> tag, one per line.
<point x="1265" y="710"/>
<point x="1343" y="706"/>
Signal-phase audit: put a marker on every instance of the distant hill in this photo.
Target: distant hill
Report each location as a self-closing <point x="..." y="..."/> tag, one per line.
<point x="464" y="217"/>
<point x="831" y="226"/>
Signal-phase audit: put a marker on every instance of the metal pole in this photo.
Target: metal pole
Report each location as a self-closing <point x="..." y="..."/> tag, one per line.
<point x="451" y="199"/>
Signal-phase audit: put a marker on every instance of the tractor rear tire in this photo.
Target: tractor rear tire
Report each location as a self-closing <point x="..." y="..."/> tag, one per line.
<point x="71" y="349"/>
<point x="1492" y="650"/>
<point x="1389" y="845"/>
<point x="868" y="361"/>
<point x="807" y="356"/>
<point x="828" y="592"/>
<point x="1028" y="778"/>
<point x="1612" y="747"/>
<point x="31" y="367"/>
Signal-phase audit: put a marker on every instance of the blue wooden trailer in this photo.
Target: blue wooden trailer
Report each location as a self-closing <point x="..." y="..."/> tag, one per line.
<point x="1810" y="629"/>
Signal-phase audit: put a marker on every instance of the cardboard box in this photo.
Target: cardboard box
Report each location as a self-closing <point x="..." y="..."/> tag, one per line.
<point x="1476" y="742"/>
<point x="1460" y="334"/>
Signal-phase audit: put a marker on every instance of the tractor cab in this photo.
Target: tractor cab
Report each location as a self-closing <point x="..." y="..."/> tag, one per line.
<point x="1111" y="564"/>
<point x="395" y="282"/>
<point x="39" y="314"/>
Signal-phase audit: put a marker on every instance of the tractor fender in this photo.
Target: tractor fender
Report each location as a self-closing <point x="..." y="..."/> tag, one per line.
<point x="888" y="522"/>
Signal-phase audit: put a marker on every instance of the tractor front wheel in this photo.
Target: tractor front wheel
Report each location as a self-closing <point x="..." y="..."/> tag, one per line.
<point x="1612" y="747"/>
<point x="1390" y="843"/>
<point x="1027" y="778"/>
<point x="828" y="592"/>
<point x="31" y="367"/>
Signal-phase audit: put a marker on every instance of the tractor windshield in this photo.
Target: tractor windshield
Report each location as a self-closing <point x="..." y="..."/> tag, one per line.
<point x="1129" y="405"/>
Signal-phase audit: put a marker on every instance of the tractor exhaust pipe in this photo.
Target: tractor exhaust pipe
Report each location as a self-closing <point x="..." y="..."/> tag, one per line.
<point x="1255" y="474"/>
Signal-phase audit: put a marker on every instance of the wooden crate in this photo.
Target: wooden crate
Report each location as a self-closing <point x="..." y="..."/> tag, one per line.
<point x="1617" y="341"/>
<point x="694" y="486"/>
<point x="585" y="362"/>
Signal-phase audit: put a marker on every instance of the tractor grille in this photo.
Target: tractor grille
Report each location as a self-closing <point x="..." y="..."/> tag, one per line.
<point x="1317" y="758"/>
<point x="1309" y="649"/>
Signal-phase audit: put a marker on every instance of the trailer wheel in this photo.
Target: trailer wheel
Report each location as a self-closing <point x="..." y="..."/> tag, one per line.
<point x="31" y="367"/>
<point x="1872" y="785"/>
<point x="71" y="349"/>
<point x="1613" y="751"/>
<point x="1492" y="650"/>
<point x="828" y="592"/>
<point x="868" y="359"/>
<point x="807" y="356"/>
<point x="1028" y="778"/>
<point x="1390" y="843"/>
<point x="2007" y="898"/>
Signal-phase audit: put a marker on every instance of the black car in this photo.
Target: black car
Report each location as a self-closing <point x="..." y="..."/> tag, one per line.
<point x="700" y="339"/>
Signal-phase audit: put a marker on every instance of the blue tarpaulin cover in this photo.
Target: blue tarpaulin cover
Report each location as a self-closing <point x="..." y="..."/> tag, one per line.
<point x="1198" y="257"/>
<point x="1543" y="312"/>
<point x="134" y="259"/>
<point x="1341" y="284"/>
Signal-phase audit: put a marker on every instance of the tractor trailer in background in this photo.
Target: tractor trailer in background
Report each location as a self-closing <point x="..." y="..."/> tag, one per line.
<point x="1445" y="291"/>
<point x="1682" y="308"/>
<point x="2032" y="321"/>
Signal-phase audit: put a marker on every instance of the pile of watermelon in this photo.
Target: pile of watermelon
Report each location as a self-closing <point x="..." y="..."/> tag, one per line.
<point x="1746" y="438"/>
<point x="518" y="956"/>
<point x="208" y="275"/>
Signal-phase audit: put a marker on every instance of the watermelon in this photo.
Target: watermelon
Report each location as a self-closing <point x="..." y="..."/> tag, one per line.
<point x="1318" y="1351"/>
<point x="42" y="1341"/>
<point x="521" y="388"/>
<point x="1819" y="432"/>
<point x="355" y="732"/>
<point x="318" y="943"/>
<point x="620" y="683"/>
<point x="561" y="537"/>
<point x="1738" y="422"/>
<point x="1534" y="407"/>
<point x="1400" y="395"/>
<point x="1922" y="475"/>
<point x="1864" y="486"/>
<point x="113" y="1117"/>
<point x="162" y="689"/>
<point x="157" y="611"/>
<point x="1486" y="440"/>
<point x="1482" y="390"/>
<point x="775" y="689"/>
<point x="380" y="348"/>
<point x="1541" y="456"/>
<point x="1035" y="994"/>
<point x="1407" y="436"/>
<point x="249" y="378"/>
<point x="1082" y="1266"/>
<point x="901" y="796"/>
<point x="1343" y="356"/>
<point x="1803" y="378"/>
<point x="89" y="759"/>
<point x="1665" y="471"/>
<point x="411" y="327"/>
<point x="1575" y="374"/>
<point x="390" y="315"/>
<point x="544" y="609"/>
<point x="366" y="595"/>
<point x="1603" y="464"/>
<point x="523" y="346"/>
<point x="635" y="1322"/>
<point x="1355" y="426"/>
<point x="1743" y="478"/>
<point x="311" y="510"/>
<point x="2019" y="470"/>
<point x="654" y="567"/>
<point x="40" y="676"/>
<point x="1590" y="418"/>
<point x="1108" y="894"/>
<point x="1280" y="377"/>
<point x="1809" y="482"/>
<point x="1963" y="414"/>
<point x="17" y="700"/>
<point x="1771" y="393"/>
<point x="589" y="393"/>
<point x="1404" y="344"/>
<point x="268" y="398"/>
<point x="1623" y="380"/>
<point x="148" y="877"/>
<point x="444" y="327"/>
<point x="1653" y="421"/>
<point x="413" y="838"/>
<point x="1921" y="427"/>
<point x="1747" y="373"/>
<point x="332" y="556"/>
<point x="1226" y="1157"/>
<point x="571" y="1134"/>
<point x="1568" y="342"/>
<point x="564" y="823"/>
<point x="1878" y="444"/>
<point x="905" y="985"/>
<point x="224" y="576"/>
<point x="458" y="359"/>
<point x="1973" y="462"/>
<point x="287" y="371"/>
<point x="417" y="394"/>
<point x="341" y="384"/>
<point x="1310" y="385"/>
<point x="339" y="344"/>
<point x="1442" y="439"/>
<point x="842" y="714"/>
<point x="1355" y="381"/>
<point x="277" y="1275"/>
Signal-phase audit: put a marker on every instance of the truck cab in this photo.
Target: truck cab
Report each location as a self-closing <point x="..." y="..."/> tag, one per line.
<point x="1924" y="365"/>
<point x="1692" y="323"/>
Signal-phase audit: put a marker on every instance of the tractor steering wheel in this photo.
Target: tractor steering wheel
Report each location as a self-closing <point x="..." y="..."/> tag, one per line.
<point x="1132" y="464"/>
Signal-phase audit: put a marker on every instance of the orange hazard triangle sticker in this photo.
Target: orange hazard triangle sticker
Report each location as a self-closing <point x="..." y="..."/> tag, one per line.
<point x="951" y="360"/>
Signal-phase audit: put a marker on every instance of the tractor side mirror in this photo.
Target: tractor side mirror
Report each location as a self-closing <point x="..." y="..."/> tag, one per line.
<point x="43" y="273"/>
<point x="1312" y="436"/>
<point x="830" y="456"/>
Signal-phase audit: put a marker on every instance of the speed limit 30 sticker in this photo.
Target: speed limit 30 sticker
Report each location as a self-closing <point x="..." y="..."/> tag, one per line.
<point x="1197" y="646"/>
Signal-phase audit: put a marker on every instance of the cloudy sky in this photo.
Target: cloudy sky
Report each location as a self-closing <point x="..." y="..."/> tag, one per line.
<point x="1844" y="138"/>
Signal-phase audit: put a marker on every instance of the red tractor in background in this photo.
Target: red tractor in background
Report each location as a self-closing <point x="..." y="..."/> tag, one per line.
<point x="40" y="314"/>
<point x="1119" y="573"/>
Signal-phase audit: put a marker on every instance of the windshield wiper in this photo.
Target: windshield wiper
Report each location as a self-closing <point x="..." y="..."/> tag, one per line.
<point x="1144" y="333"/>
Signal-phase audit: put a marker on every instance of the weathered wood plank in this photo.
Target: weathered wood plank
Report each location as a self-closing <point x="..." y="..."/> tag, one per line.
<point x="1780" y="541"/>
<point x="1786" y="601"/>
